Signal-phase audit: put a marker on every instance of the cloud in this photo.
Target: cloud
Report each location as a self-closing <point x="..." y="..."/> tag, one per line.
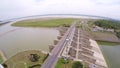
<point x="108" y="2"/>
<point x="20" y="8"/>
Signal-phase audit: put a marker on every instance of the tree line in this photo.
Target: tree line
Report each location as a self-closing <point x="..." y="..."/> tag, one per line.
<point x="107" y="24"/>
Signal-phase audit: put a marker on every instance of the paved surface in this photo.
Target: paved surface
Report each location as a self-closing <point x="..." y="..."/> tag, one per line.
<point x="53" y="58"/>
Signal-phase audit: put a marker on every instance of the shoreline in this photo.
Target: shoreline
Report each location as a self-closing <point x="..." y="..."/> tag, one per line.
<point x="101" y="57"/>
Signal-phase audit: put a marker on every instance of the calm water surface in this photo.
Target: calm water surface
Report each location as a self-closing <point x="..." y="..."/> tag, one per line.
<point x="14" y="39"/>
<point x="112" y="55"/>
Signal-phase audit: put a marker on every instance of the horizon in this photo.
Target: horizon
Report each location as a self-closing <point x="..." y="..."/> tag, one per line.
<point x="20" y="8"/>
<point x="62" y="15"/>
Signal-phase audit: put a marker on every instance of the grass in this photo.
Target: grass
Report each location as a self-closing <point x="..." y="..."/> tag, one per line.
<point x="67" y="64"/>
<point x="44" y="23"/>
<point x="21" y="60"/>
<point x="61" y="64"/>
<point x="104" y="36"/>
<point x="107" y="43"/>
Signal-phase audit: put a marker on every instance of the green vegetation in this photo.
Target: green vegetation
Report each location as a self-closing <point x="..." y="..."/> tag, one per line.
<point x="84" y="26"/>
<point x="63" y="63"/>
<point x="35" y="66"/>
<point x="44" y="23"/>
<point x="107" y="43"/>
<point x="22" y="59"/>
<point x="109" y="25"/>
<point x="98" y="35"/>
<point x="45" y="57"/>
<point x="68" y="64"/>
<point x="34" y="57"/>
<point x="77" y="64"/>
<point x="1" y="59"/>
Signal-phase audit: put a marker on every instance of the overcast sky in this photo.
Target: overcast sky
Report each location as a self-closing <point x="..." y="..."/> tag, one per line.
<point x="19" y="8"/>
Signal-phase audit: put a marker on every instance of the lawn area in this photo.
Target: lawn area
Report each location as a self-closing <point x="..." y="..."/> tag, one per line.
<point x="107" y="43"/>
<point x="22" y="60"/>
<point x="44" y="23"/>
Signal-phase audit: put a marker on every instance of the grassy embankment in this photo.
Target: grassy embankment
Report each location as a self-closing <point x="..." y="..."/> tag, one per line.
<point x="44" y="23"/>
<point x="22" y="60"/>
<point x="107" y="43"/>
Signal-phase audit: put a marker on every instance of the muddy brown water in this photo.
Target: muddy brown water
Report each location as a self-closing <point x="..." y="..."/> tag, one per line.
<point x="17" y="39"/>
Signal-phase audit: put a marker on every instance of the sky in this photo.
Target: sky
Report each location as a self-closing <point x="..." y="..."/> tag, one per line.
<point x="19" y="8"/>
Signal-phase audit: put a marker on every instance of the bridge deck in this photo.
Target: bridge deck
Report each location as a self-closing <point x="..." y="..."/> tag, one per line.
<point x="53" y="58"/>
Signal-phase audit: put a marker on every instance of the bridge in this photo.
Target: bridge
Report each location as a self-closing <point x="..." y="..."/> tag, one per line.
<point x="53" y="57"/>
<point x="75" y="44"/>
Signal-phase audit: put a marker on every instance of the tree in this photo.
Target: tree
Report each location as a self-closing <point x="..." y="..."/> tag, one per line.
<point x="77" y="64"/>
<point x="34" y="57"/>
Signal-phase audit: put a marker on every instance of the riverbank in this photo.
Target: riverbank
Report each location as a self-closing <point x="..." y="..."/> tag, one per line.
<point x="27" y="59"/>
<point x="44" y="23"/>
<point x="108" y="43"/>
<point x="98" y="54"/>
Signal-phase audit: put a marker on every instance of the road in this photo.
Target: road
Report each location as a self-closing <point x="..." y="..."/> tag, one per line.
<point x="53" y="58"/>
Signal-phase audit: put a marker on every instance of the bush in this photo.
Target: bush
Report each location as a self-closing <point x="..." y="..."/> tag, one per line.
<point x="34" y="57"/>
<point x="77" y="64"/>
<point x="64" y="61"/>
<point x="118" y="34"/>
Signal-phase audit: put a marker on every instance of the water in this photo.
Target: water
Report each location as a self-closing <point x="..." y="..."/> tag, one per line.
<point x="16" y="39"/>
<point x="112" y="55"/>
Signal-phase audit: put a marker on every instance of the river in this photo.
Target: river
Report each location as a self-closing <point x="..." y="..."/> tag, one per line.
<point x="17" y="39"/>
<point x="112" y="55"/>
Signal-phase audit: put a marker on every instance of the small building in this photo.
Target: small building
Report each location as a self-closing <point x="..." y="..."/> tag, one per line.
<point x="97" y="28"/>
